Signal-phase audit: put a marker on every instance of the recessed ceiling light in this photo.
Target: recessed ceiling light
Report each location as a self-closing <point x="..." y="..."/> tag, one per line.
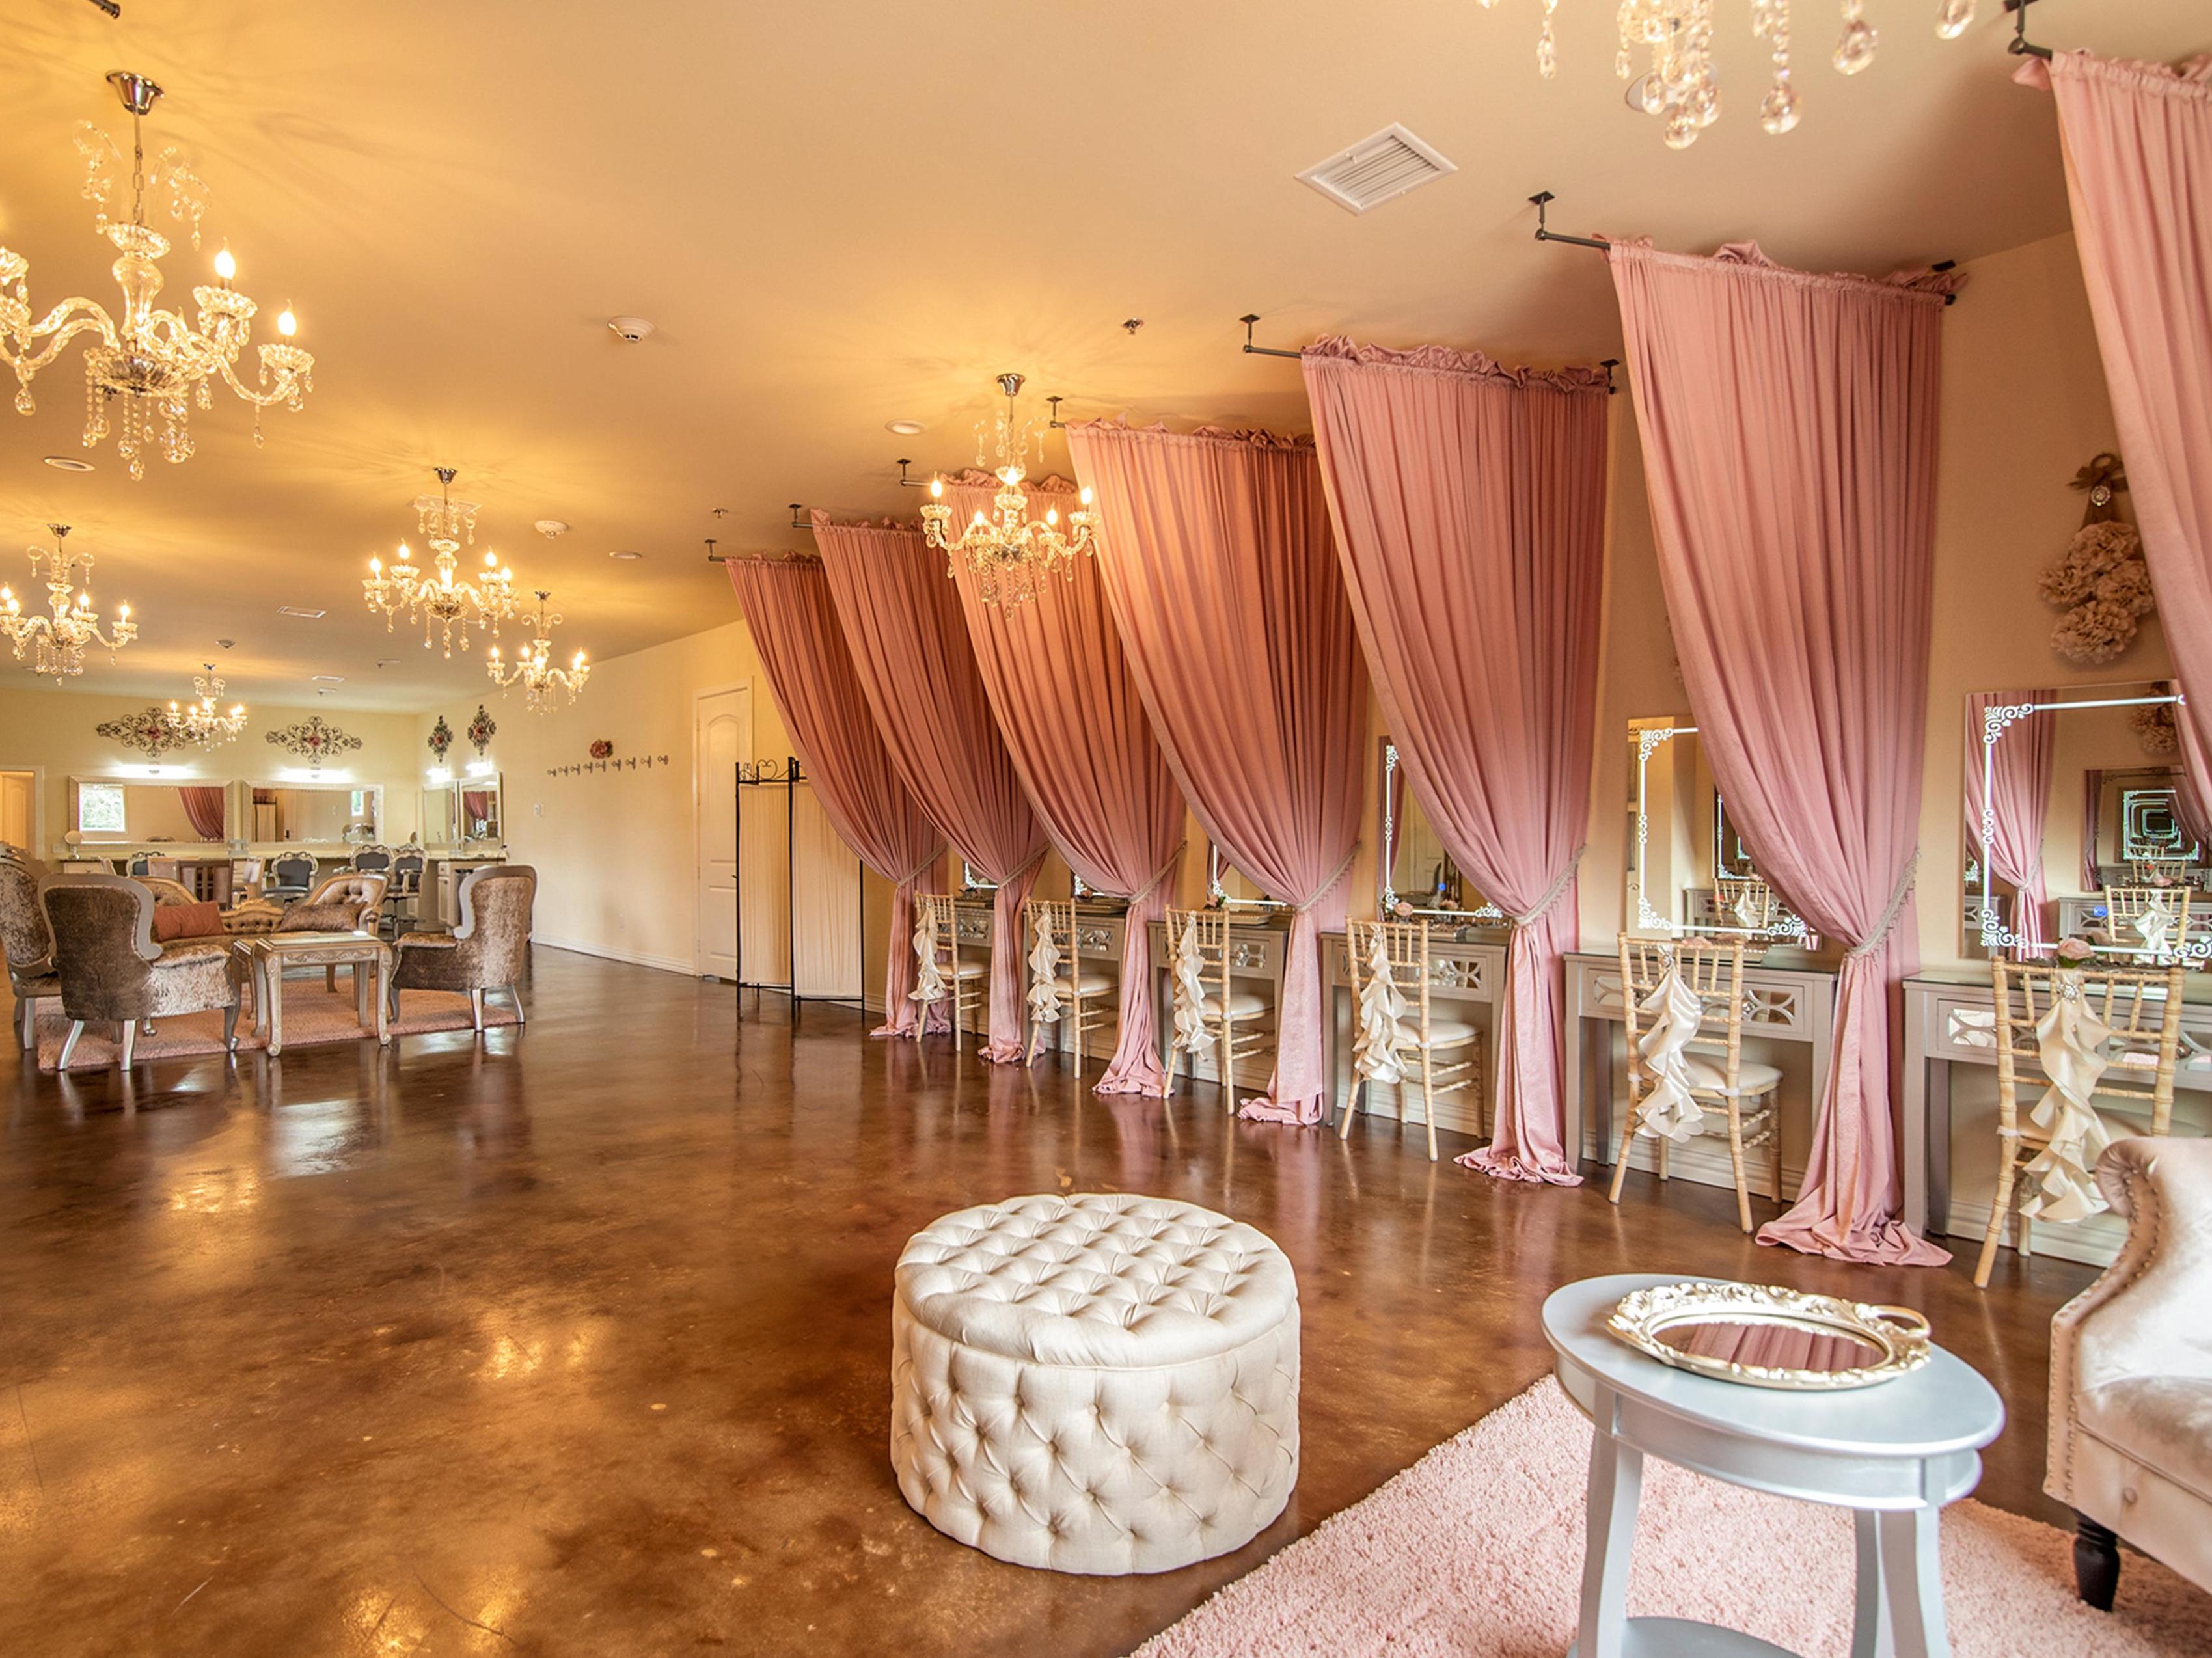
<point x="305" y="615"/>
<point x="632" y="329"/>
<point x="327" y="678"/>
<point x="550" y="527"/>
<point x="68" y="464"/>
<point x="625" y="554"/>
<point x="905" y="428"/>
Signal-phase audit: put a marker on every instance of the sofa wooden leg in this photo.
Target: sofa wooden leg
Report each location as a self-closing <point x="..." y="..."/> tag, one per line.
<point x="2096" y="1562"/>
<point x="68" y="1044"/>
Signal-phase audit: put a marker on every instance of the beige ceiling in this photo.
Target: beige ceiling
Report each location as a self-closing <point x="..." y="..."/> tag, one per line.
<point x="844" y="214"/>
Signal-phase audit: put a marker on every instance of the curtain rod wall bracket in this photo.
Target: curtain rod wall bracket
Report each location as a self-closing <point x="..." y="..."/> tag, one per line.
<point x="2019" y="45"/>
<point x="1054" y="423"/>
<point x="1609" y="364"/>
<point x="797" y="522"/>
<point x="714" y="557"/>
<point x="1542" y="201"/>
<point x="1252" y="351"/>
<point x="906" y="482"/>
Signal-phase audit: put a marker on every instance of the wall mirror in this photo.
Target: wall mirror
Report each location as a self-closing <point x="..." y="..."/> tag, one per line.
<point x="113" y="808"/>
<point x="1688" y="869"/>
<point x="2081" y="823"/>
<point x="1228" y="885"/>
<point x="324" y="814"/>
<point x="454" y="814"/>
<point x="1414" y="869"/>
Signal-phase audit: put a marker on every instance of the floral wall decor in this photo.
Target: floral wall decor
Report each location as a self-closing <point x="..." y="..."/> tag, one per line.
<point x="149" y="732"/>
<point x="2155" y="728"/>
<point x="441" y="739"/>
<point x="2101" y="581"/>
<point x="312" y="739"/>
<point x="481" y="730"/>
<point x="602" y="749"/>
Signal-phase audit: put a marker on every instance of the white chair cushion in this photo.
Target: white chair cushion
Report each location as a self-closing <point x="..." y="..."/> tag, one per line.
<point x="1092" y="983"/>
<point x="1752" y="1079"/>
<point x="1103" y="1383"/>
<point x="969" y="970"/>
<point x="1242" y="1005"/>
<point x="1442" y="1033"/>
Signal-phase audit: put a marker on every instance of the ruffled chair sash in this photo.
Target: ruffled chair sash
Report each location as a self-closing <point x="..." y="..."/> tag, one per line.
<point x="2072" y="1038"/>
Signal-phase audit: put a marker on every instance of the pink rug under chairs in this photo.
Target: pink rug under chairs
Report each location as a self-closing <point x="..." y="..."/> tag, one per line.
<point x="313" y="1016"/>
<point x="1476" y="1551"/>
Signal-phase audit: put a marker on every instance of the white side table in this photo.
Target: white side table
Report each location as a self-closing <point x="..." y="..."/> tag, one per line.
<point x="1894" y="1454"/>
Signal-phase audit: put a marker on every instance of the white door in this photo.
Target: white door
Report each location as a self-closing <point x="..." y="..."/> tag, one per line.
<point x="722" y="734"/>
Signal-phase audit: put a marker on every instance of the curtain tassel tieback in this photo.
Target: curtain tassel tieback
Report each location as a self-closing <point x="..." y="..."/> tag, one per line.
<point x="1887" y="922"/>
<point x="920" y="869"/>
<point x="1159" y="876"/>
<point x="1552" y="894"/>
<point x="1329" y="885"/>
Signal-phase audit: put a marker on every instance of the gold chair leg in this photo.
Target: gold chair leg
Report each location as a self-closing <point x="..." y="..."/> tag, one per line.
<point x="1774" y="1144"/>
<point x="2023" y="1237"/>
<point x="1620" y="1162"/>
<point x="1735" y="1162"/>
<point x="1665" y="1143"/>
<point x="1428" y="1101"/>
<point x="1229" y="1062"/>
<point x="2000" y="1212"/>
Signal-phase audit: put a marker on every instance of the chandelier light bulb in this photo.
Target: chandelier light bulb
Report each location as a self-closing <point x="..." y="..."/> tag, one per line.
<point x="225" y="266"/>
<point x="287" y="324"/>
<point x="936" y="489"/>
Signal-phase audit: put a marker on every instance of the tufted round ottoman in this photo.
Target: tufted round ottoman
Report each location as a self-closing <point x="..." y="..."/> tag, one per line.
<point x="1104" y="1384"/>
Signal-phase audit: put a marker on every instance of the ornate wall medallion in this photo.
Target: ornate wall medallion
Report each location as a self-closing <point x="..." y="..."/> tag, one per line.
<point x="441" y="739"/>
<point x="149" y="732"/>
<point x="312" y="739"/>
<point x="481" y="730"/>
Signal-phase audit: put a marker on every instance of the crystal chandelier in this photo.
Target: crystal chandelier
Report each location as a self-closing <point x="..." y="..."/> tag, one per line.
<point x="1005" y="551"/>
<point x="154" y="362"/>
<point x="439" y="598"/>
<point x="198" y="721"/>
<point x="533" y="668"/>
<point x="1676" y="36"/>
<point x="57" y="645"/>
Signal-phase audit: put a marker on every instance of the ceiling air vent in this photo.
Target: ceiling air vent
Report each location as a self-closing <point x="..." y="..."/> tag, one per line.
<point x="1376" y="170"/>
<point x="293" y="610"/>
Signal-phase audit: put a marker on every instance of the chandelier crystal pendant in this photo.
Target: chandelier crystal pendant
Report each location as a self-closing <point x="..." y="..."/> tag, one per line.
<point x="1007" y="554"/>
<point x="155" y="364"/>
<point x="533" y="669"/>
<point x="1674" y="38"/>
<point x="199" y="721"/>
<point x="440" y="597"/>
<point x="55" y="644"/>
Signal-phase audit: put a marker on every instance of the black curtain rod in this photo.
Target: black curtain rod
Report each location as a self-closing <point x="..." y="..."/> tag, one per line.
<point x="2019" y="45"/>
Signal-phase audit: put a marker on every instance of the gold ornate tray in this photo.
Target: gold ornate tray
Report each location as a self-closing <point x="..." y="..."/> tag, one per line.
<point x="1766" y="1337"/>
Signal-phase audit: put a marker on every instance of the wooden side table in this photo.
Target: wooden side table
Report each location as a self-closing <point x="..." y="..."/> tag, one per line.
<point x="1894" y="1454"/>
<point x="265" y="957"/>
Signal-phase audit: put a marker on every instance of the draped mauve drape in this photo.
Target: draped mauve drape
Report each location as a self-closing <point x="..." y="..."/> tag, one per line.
<point x="1068" y="708"/>
<point x="203" y="804"/>
<point x="825" y="711"/>
<point x="1469" y="505"/>
<point x="902" y="622"/>
<point x="1789" y="424"/>
<point x="2138" y="142"/>
<point x="2020" y="766"/>
<point x="1223" y="585"/>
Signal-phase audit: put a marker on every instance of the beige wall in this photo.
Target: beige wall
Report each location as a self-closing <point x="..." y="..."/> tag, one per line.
<point x="53" y="732"/>
<point x="615" y="851"/>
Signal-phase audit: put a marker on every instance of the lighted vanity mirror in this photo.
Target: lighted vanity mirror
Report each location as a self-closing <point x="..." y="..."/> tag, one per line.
<point x="1415" y="870"/>
<point x="123" y="811"/>
<point x="1688" y="869"/>
<point x="317" y="814"/>
<point x="469" y="809"/>
<point x="2080" y="823"/>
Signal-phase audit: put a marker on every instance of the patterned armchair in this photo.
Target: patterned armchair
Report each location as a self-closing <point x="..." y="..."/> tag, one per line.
<point x="348" y="902"/>
<point x="489" y="950"/>
<point x="111" y="969"/>
<point x="26" y="942"/>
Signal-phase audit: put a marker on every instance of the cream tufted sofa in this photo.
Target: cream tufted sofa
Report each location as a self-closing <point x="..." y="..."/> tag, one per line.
<point x="1104" y="1384"/>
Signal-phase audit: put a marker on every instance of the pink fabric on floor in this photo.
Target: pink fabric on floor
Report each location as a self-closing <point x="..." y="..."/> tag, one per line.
<point x="1789" y="424"/>
<point x="1476" y="1551"/>
<point x="1469" y="505"/>
<point x="1068" y="708"/>
<point x="2138" y="143"/>
<point x="2020" y="766"/>
<point x="1220" y="567"/>
<point x="902" y="622"/>
<point x="825" y="713"/>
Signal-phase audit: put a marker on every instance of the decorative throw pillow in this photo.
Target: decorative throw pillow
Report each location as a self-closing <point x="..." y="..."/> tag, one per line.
<point x="320" y="918"/>
<point x="173" y="922"/>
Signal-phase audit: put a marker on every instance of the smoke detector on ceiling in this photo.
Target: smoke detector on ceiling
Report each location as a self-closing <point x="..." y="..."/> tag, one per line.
<point x="550" y="528"/>
<point x="633" y="329"/>
<point x="625" y="554"/>
<point x="905" y="428"/>
<point x="1378" y="169"/>
<point x="68" y="464"/>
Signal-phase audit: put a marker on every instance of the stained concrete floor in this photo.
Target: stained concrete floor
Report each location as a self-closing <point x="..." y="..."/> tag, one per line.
<point x="575" y="1339"/>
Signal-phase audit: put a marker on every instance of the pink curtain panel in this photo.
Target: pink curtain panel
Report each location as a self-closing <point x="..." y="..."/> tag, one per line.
<point x="2022" y="762"/>
<point x="203" y="805"/>
<point x="1469" y="504"/>
<point x="909" y="647"/>
<point x="809" y="673"/>
<point x="2138" y="142"/>
<point x="1789" y="424"/>
<point x="1220" y="568"/>
<point x="1075" y="726"/>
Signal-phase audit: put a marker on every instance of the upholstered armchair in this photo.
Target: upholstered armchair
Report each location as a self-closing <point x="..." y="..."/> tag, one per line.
<point x="489" y="950"/>
<point x="2132" y="1374"/>
<point x="111" y="968"/>
<point x="347" y="903"/>
<point x="26" y="941"/>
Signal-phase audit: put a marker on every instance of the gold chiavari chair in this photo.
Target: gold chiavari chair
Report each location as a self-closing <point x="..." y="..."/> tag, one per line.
<point x="1227" y="1015"/>
<point x="2142" y="1010"/>
<point x="1712" y="971"/>
<point x="1403" y="948"/>
<point x="936" y="929"/>
<point x="2160" y="871"/>
<point x="1080" y="989"/>
<point x="1743" y="901"/>
<point x="2126" y="908"/>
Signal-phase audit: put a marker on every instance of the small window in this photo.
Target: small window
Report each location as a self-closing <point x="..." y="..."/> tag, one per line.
<point x="100" y="808"/>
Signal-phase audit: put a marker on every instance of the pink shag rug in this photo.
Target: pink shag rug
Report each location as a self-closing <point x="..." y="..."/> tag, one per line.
<point x="313" y="1014"/>
<point x="1476" y="1551"/>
